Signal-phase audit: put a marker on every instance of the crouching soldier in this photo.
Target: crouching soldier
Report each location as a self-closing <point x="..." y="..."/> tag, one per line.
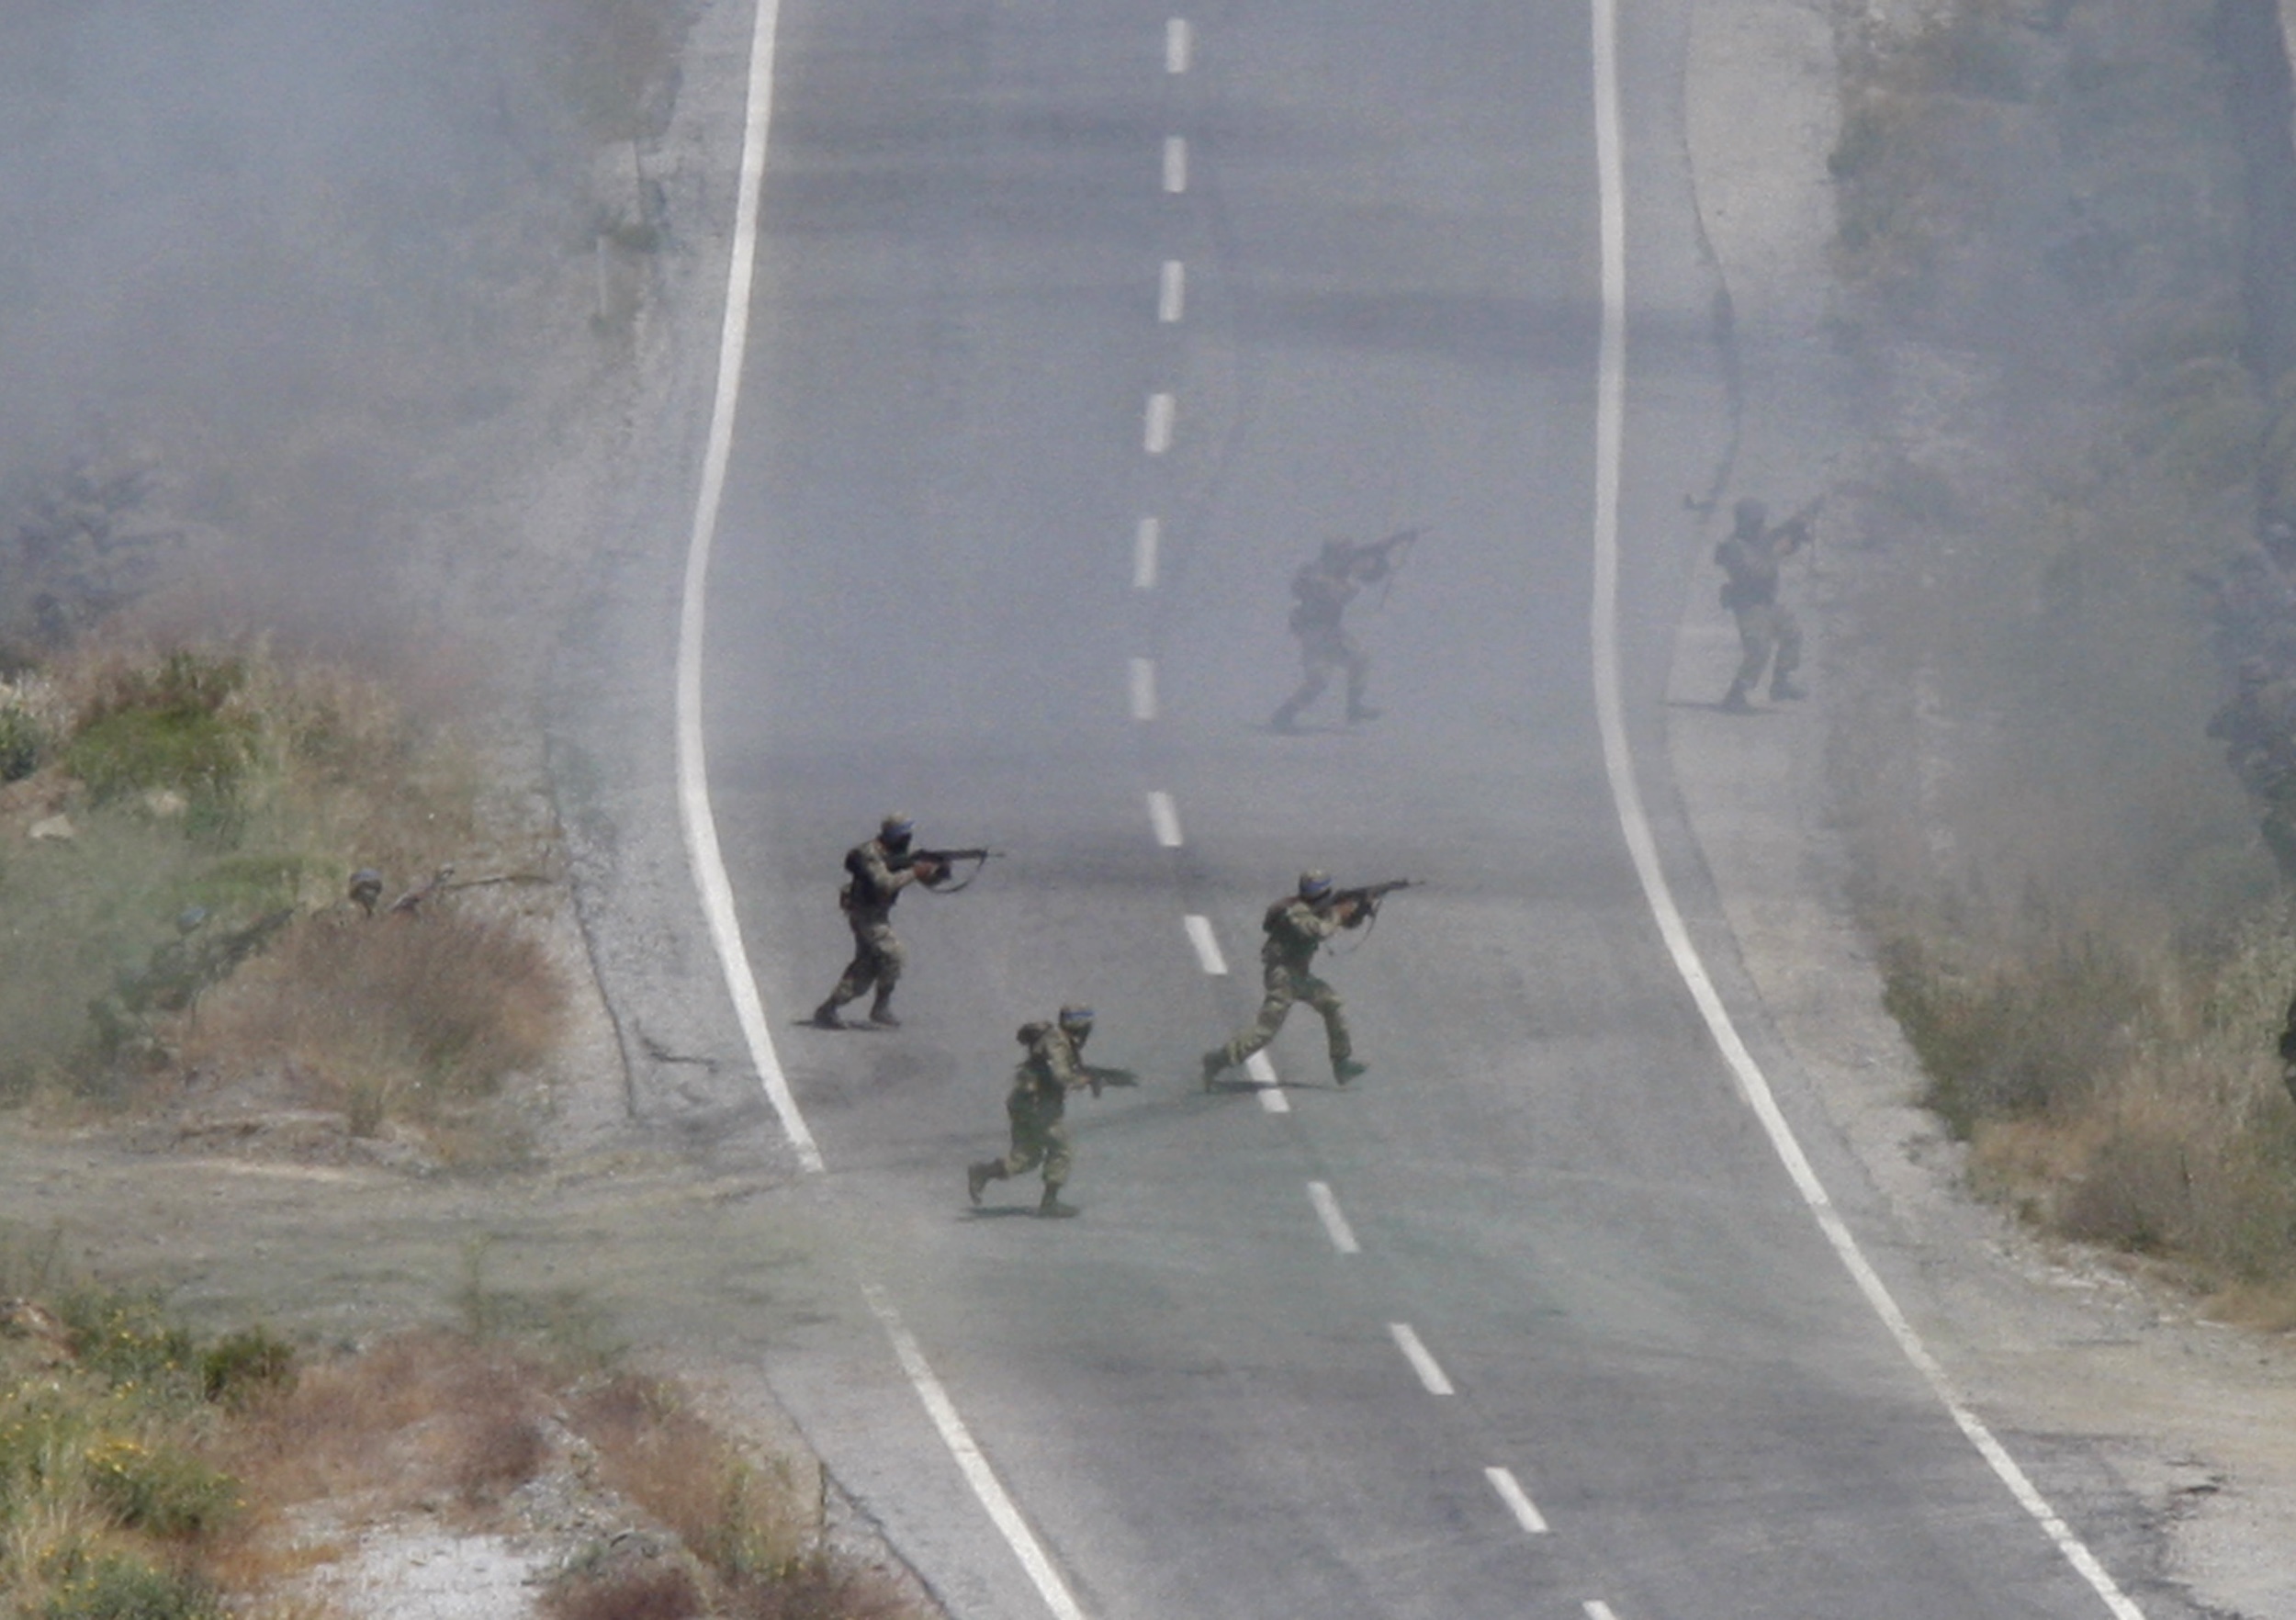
<point x="1036" y="1105"/>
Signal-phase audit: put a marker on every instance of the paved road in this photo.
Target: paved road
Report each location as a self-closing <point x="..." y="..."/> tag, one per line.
<point x="933" y="593"/>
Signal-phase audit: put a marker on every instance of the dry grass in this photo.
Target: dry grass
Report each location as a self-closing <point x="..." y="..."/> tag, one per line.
<point x="2082" y="936"/>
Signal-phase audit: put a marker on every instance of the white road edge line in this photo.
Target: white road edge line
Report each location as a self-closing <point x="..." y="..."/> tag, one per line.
<point x="1199" y="935"/>
<point x="1172" y="292"/>
<point x="971" y="1463"/>
<point x="1165" y="817"/>
<point x="1609" y="448"/>
<point x="1335" y="1225"/>
<point x="1518" y="1500"/>
<point x="1157" y="431"/>
<point x="1430" y="1373"/>
<point x="1144" y="689"/>
<point x="1175" y="164"/>
<point x="1176" y="42"/>
<point x="1270" y="1090"/>
<point x="699" y="822"/>
<point x="1147" y="541"/>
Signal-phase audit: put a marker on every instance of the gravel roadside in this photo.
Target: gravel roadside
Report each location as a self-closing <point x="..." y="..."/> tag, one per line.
<point x="2105" y="1384"/>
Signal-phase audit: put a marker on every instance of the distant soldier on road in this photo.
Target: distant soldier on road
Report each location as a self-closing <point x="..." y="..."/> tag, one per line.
<point x="1320" y="592"/>
<point x="1037" y="1106"/>
<point x="1766" y="628"/>
<point x="876" y="872"/>
<point x="1297" y="927"/>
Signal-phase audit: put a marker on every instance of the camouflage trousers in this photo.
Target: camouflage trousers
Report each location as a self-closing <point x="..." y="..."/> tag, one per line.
<point x="877" y="961"/>
<point x="1040" y="1135"/>
<point x="1763" y="629"/>
<point x="1322" y="653"/>
<point x="1284" y="986"/>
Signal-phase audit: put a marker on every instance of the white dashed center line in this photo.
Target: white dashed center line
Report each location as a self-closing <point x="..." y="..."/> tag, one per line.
<point x="1174" y="163"/>
<point x="1270" y="1090"/>
<point x="1144" y="689"/>
<point x="1165" y="817"/>
<point x="1179" y="40"/>
<point x="1430" y="1374"/>
<point x="1171" y="291"/>
<point x="1157" y="438"/>
<point x="1335" y="1225"/>
<point x="1596" y="1609"/>
<point x="1518" y="1500"/>
<point x="1207" y="947"/>
<point x="1146" y="542"/>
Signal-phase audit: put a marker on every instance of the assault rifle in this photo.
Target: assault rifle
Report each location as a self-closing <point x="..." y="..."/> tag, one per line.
<point x="1382" y="559"/>
<point x="1365" y="900"/>
<point x="1101" y="1075"/>
<point x="1800" y="530"/>
<point x="946" y="860"/>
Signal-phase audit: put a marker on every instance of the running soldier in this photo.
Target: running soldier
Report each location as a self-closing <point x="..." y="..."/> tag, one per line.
<point x="1321" y="591"/>
<point x="876" y="874"/>
<point x="1036" y="1109"/>
<point x="1751" y="558"/>
<point x="1296" y="928"/>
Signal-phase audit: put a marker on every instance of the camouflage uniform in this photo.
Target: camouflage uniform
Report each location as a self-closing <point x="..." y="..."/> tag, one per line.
<point x="1321" y="591"/>
<point x="1037" y="1106"/>
<point x="1296" y="928"/>
<point x="1750" y="557"/>
<point x="878" y="870"/>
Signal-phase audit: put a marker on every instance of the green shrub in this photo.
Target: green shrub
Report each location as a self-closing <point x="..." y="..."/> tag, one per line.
<point x="159" y="1488"/>
<point x="23" y="742"/>
<point x="245" y="1367"/>
<point x="141" y="751"/>
<point x="116" y="1588"/>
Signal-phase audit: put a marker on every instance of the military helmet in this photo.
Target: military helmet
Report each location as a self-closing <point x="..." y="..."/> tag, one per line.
<point x="1314" y="886"/>
<point x="1075" y="1017"/>
<point x="1749" y="514"/>
<point x="898" y="823"/>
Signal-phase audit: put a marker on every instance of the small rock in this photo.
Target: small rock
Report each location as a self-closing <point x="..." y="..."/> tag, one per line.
<point x="55" y="829"/>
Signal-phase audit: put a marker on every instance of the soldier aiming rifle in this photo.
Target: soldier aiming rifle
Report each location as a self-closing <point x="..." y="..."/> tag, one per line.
<point x="1768" y="634"/>
<point x="876" y="872"/>
<point x="1321" y="592"/>
<point x="1297" y="927"/>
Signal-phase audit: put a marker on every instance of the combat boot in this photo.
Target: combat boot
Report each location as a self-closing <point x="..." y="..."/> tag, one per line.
<point x="1735" y="702"/>
<point x="1360" y="712"/>
<point x="1052" y="1208"/>
<point x="977" y="1177"/>
<point x="1782" y="690"/>
<point x="1287" y="720"/>
<point x="824" y="1016"/>
<point x="1215" y="1065"/>
<point x="881" y="1013"/>
<point x="1346" y="1069"/>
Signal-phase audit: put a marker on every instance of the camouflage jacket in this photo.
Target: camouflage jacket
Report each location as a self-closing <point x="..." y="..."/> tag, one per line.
<point x="1054" y="1068"/>
<point x="1752" y="567"/>
<point x="1295" y="930"/>
<point x="876" y="877"/>
<point x="1322" y="595"/>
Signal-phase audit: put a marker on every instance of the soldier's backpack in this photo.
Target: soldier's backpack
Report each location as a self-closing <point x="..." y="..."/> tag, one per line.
<point x="1034" y="1030"/>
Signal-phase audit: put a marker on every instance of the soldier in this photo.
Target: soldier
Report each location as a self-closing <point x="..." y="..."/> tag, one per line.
<point x="877" y="873"/>
<point x="1296" y="927"/>
<point x="1322" y="589"/>
<point x="1751" y="558"/>
<point x="2287" y="1052"/>
<point x="1035" y="1106"/>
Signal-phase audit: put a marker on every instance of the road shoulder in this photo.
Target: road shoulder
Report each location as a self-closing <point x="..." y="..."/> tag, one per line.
<point x="2062" y="1350"/>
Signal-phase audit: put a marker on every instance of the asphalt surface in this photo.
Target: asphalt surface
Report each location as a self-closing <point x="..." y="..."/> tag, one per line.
<point x="929" y="595"/>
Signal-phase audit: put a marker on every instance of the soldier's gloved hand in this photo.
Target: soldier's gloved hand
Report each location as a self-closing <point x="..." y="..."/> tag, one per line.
<point x="927" y="870"/>
<point x="1352" y="913"/>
